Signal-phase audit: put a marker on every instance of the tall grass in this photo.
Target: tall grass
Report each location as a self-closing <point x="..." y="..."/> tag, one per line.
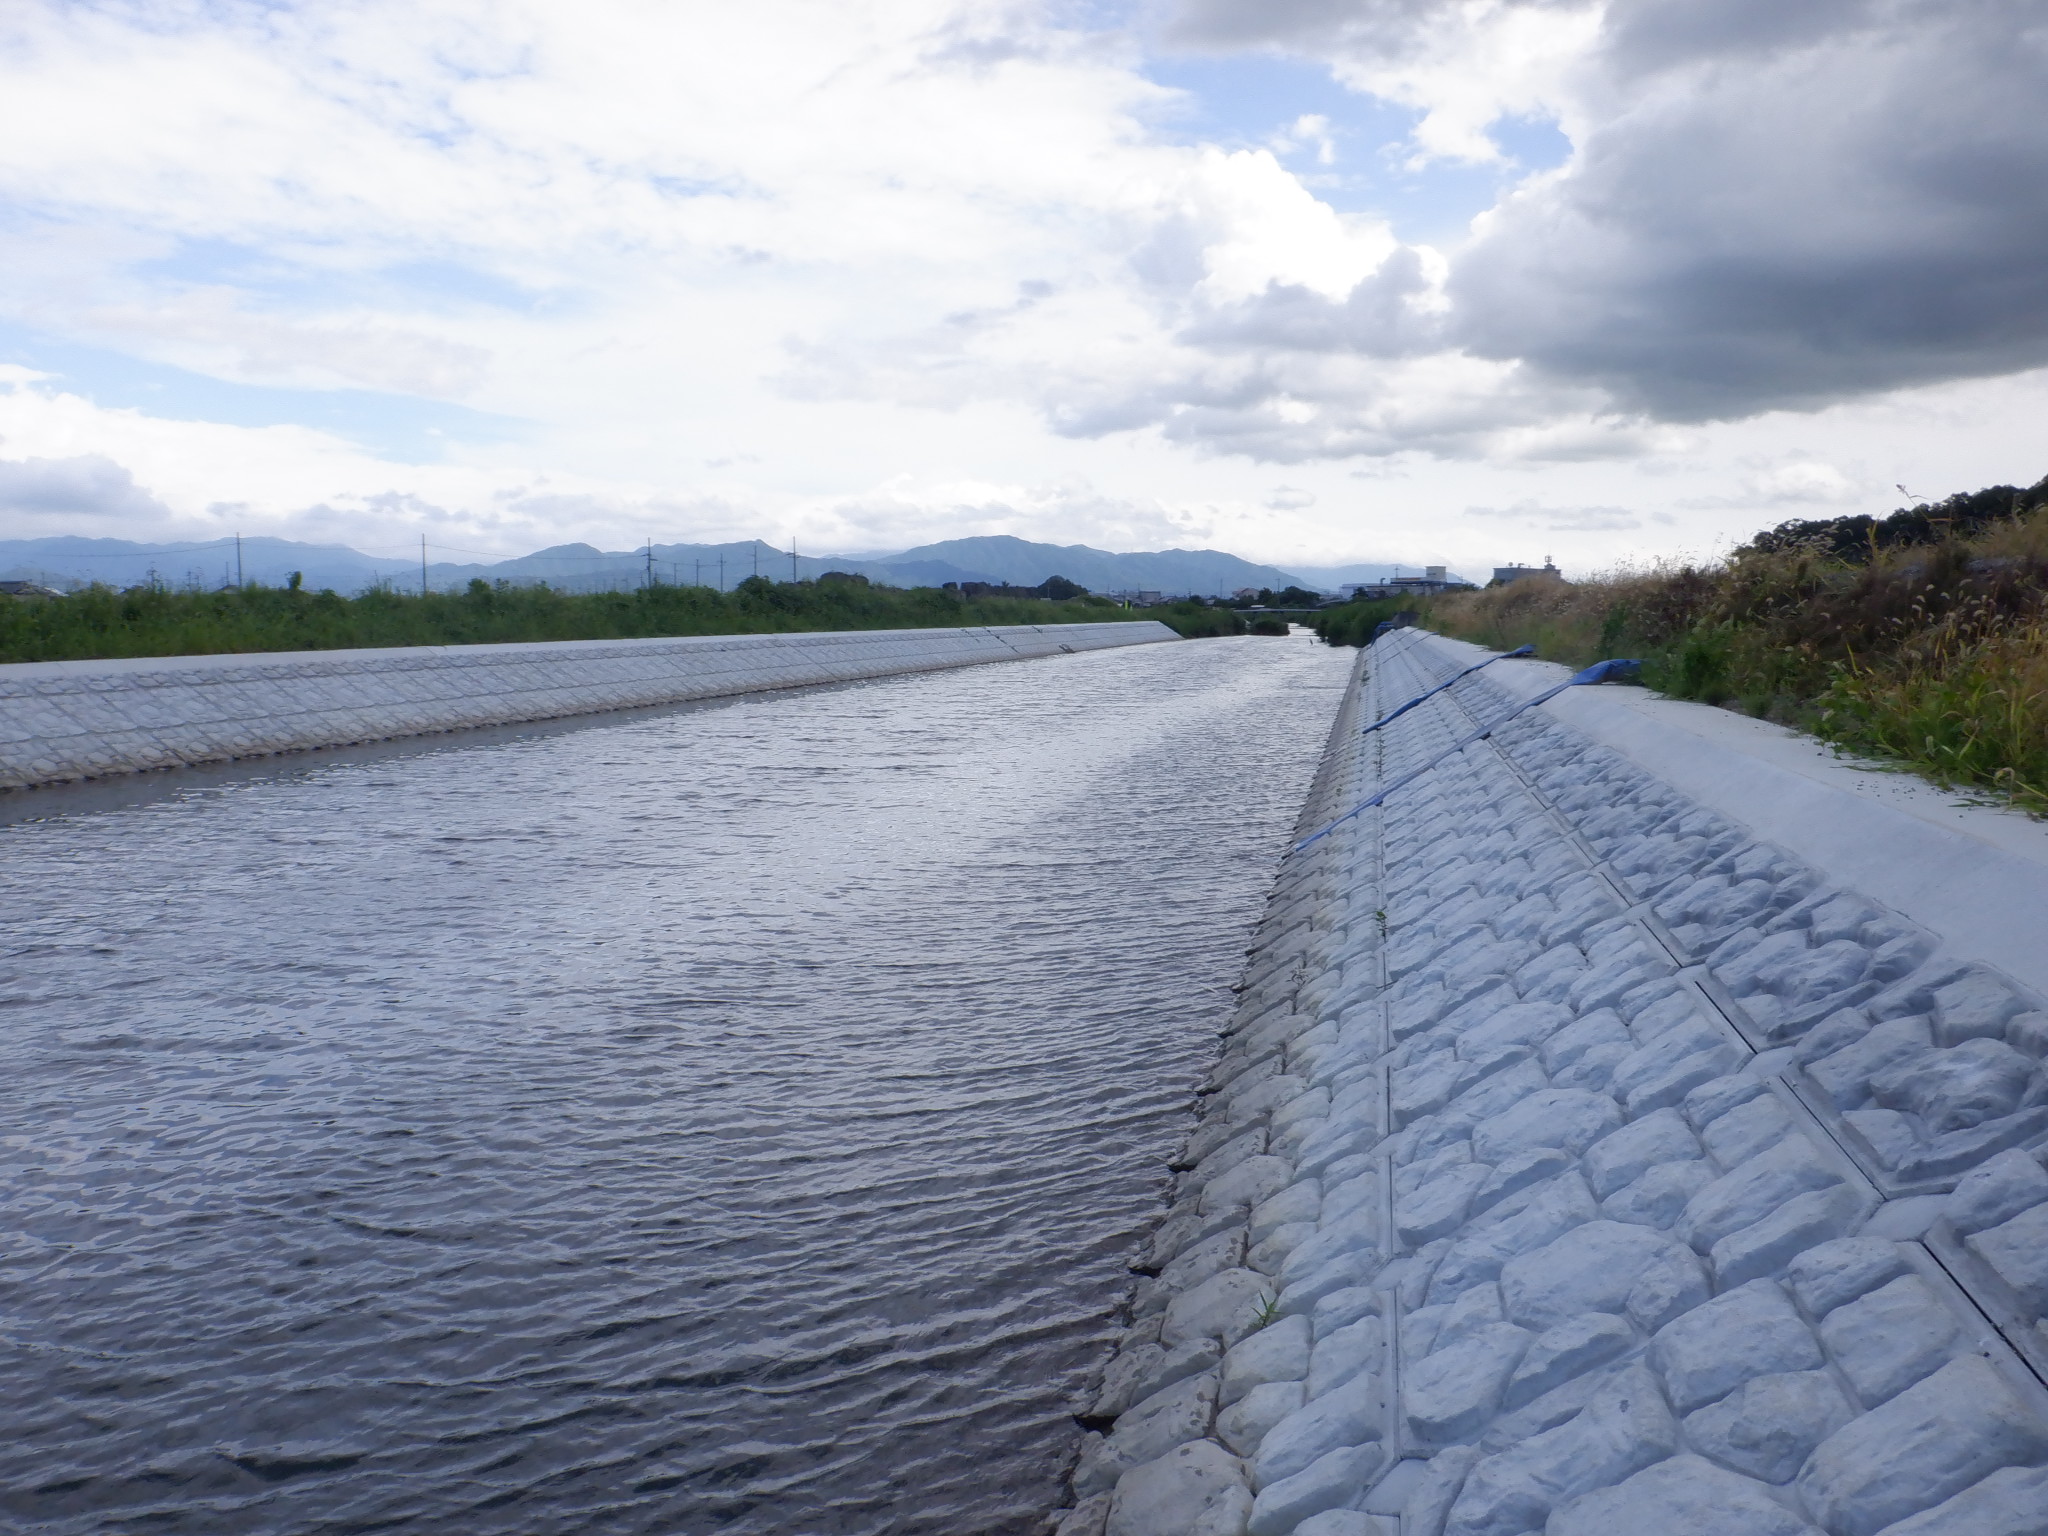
<point x="101" y="622"/>
<point x="1932" y="655"/>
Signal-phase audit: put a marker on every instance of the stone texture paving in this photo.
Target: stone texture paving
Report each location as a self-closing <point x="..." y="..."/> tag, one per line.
<point x="77" y="720"/>
<point x="1577" y="1164"/>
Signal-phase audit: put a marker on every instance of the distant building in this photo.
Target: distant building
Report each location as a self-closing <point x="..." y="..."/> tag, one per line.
<point x="27" y="589"/>
<point x="1434" y="579"/>
<point x="1147" y="599"/>
<point x="1505" y="573"/>
<point x="1246" y="594"/>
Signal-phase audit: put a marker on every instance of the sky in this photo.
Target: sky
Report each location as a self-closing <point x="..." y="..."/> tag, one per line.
<point x="1311" y="281"/>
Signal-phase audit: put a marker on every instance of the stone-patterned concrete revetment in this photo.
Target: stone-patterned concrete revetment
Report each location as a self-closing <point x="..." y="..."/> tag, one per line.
<point x="1580" y="1162"/>
<point x="69" y="720"/>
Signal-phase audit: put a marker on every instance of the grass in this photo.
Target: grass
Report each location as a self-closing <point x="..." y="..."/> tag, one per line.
<point x="101" y="622"/>
<point x="1920" y="639"/>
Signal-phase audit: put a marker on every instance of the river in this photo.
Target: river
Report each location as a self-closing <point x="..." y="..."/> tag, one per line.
<point x="729" y="1118"/>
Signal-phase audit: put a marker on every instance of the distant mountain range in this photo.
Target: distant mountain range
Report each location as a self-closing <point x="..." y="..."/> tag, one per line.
<point x="996" y="558"/>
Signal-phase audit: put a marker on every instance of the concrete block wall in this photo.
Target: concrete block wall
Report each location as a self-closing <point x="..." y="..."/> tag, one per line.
<point x="1581" y="1162"/>
<point x="85" y="719"/>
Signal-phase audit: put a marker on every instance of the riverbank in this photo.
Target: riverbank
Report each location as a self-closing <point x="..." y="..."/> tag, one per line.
<point x="62" y="721"/>
<point x="1578" y="1161"/>
<point x="1921" y="637"/>
<point x="101" y="623"/>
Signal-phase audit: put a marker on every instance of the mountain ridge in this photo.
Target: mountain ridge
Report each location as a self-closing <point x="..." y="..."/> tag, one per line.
<point x="995" y="558"/>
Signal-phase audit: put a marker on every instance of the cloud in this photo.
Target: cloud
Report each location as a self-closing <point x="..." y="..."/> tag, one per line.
<point x="1799" y="483"/>
<point x="89" y="486"/>
<point x="1288" y="498"/>
<point x="215" y="327"/>
<point x="806" y="265"/>
<point x="1839" y="215"/>
<point x="1392" y="312"/>
<point x="1767" y="206"/>
<point x="1464" y="64"/>
<point x="1530" y="514"/>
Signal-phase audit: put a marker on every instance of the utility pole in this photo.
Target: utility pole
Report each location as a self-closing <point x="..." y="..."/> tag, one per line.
<point x="721" y="570"/>
<point x="423" y="565"/>
<point x="792" y="557"/>
<point x="699" y="579"/>
<point x="650" y="562"/>
<point x="756" y="546"/>
<point x="238" y="559"/>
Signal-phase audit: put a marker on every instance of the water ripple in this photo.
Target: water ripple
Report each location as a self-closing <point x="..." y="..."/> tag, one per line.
<point x="727" y="1119"/>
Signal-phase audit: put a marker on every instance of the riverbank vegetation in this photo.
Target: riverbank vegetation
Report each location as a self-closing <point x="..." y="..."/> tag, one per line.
<point x="155" y="621"/>
<point x="1921" y="638"/>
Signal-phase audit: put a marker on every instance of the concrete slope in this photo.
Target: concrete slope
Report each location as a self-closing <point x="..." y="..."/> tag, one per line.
<point x="84" y="719"/>
<point x="1624" y="1129"/>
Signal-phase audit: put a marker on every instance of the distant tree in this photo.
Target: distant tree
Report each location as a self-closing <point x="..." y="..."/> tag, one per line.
<point x="1855" y="539"/>
<point x="1059" y="589"/>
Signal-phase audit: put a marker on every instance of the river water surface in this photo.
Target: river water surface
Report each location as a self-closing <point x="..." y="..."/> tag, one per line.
<point x="735" y="1118"/>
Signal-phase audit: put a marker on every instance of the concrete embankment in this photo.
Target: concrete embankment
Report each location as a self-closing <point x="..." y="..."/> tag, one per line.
<point x="84" y="719"/>
<point x="1634" y="1125"/>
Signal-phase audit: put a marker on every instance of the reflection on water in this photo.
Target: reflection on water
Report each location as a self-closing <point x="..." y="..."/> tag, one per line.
<point x="728" y="1119"/>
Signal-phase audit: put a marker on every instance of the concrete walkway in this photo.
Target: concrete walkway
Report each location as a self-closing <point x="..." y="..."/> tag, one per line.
<point x="1634" y="1126"/>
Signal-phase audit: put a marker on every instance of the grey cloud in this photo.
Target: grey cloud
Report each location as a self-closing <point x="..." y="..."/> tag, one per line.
<point x="1651" y="34"/>
<point x="1771" y="206"/>
<point x="1369" y="28"/>
<point x="1086" y="409"/>
<point x="1843" y="216"/>
<point x="90" y="485"/>
<point x="1295" y="407"/>
<point x="1378" y="318"/>
<point x="1564" y="519"/>
<point x="1235" y="23"/>
<point x="1344" y="425"/>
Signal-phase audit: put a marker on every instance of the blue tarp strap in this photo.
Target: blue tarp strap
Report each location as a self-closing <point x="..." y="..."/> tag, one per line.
<point x="1423" y="698"/>
<point x="1599" y="672"/>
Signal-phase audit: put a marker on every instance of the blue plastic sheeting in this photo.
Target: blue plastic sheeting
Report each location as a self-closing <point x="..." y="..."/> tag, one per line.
<point x="1599" y="672"/>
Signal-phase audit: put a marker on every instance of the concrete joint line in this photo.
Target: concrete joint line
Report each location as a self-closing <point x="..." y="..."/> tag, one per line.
<point x="2007" y="1318"/>
<point x="1835" y="1138"/>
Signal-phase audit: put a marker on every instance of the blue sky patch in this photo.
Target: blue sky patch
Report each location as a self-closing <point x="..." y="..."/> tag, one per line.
<point x="427" y="284"/>
<point x="1250" y="100"/>
<point x="404" y="428"/>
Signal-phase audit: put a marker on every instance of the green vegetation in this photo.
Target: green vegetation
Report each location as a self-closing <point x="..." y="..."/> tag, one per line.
<point x="1193" y="619"/>
<point x="1353" y="623"/>
<point x="100" y="622"/>
<point x="1286" y="597"/>
<point x="1921" y="638"/>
